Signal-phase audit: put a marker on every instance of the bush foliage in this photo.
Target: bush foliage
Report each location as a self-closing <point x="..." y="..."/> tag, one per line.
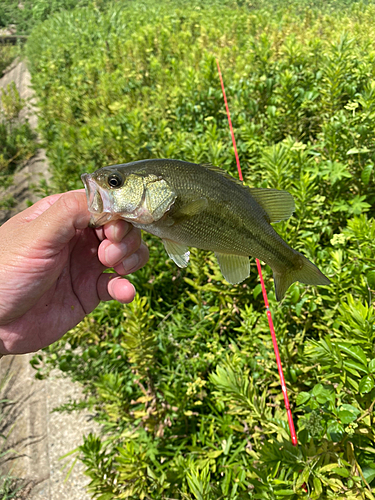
<point x="184" y="379"/>
<point x="17" y="139"/>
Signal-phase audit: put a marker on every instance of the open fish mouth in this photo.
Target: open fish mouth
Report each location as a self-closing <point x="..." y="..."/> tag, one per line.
<point x="98" y="199"/>
<point x="94" y="200"/>
<point x="99" y="202"/>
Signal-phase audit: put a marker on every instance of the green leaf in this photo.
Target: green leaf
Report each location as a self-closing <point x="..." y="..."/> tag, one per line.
<point x="366" y="384"/>
<point x="354" y="151"/>
<point x="257" y="290"/>
<point x="299" y="307"/>
<point x="317" y="487"/>
<point x="341" y="471"/>
<point x="335" y="430"/>
<point x="303" y="478"/>
<point x="358" y="205"/>
<point x="327" y="468"/>
<point x="321" y="394"/>
<point x="370" y="275"/>
<point x="303" y="436"/>
<point x="116" y="106"/>
<point x="354" y="351"/>
<point x="369" y="473"/>
<point x="302" y="398"/>
<point x="318" y="389"/>
<point x="284" y="493"/>
<point x="106" y="496"/>
<point x="214" y="453"/>
<point x="354" y="365"/>
<point x="366" y="173"/>
<point x="348" y="413"/>
<point x="371" y="366"/>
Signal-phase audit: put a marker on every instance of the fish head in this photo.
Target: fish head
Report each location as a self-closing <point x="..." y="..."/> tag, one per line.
<point x="115" y="193"/>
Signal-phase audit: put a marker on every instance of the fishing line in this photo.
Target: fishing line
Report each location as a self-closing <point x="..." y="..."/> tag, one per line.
<point x="293" y="434"/>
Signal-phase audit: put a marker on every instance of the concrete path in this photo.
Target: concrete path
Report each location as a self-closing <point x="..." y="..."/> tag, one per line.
<point x="37" y="437"/>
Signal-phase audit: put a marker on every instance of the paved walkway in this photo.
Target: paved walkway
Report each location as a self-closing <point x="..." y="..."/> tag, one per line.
<point x="38" y="437"/>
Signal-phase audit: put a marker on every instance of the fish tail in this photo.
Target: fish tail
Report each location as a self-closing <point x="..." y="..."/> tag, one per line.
<point x="305" y="272"/>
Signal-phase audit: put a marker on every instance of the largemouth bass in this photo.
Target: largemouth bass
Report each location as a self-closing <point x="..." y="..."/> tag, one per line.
<point x="190" y="205"/>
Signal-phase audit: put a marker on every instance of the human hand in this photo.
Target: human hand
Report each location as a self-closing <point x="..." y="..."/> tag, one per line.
<point x="51" y="270"/>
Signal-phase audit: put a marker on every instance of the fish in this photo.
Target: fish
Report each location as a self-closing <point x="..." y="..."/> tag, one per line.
<point x="193" y="205"/>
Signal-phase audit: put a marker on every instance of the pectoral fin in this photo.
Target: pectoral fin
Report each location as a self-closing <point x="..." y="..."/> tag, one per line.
<point x="234" y="268"/>
<point x="192" y="208"/>
<point x="177" y="252"/>
<point x="279" y="205"/>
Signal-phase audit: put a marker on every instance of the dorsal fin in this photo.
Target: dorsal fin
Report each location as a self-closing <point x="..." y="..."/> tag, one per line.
<point x="278" y="204"/>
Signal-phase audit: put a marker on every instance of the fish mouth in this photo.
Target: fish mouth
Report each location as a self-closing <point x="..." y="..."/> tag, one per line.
<point x="96" y="199"/>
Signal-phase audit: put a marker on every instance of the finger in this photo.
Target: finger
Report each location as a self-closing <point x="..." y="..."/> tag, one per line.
<point x="102" y="286"/>
<point x="58" y="224"/>
<point x="39" y="207"/>
<point x="111" y="254"/>
<point x="116" y="230"/>
<point x="134" y="262"/>
<point x="111" y="286"/>
<point x="100" y="233"/>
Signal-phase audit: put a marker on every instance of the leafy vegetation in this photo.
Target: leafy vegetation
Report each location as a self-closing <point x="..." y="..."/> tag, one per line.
<point x="17" y="139"/>
<point x="184" y="379"/>
<point x="23" y="16"/>
<point x="7" y="54"/>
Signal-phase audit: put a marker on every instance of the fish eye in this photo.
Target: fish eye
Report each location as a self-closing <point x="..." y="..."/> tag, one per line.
<point x="115" y="180"/>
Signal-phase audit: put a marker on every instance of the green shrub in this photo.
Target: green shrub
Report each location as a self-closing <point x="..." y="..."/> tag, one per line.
<point x="23" y="16"/>
<point x="17" y="140"/>
<point x="184" y="380"/>
<point x="7" y="54"/>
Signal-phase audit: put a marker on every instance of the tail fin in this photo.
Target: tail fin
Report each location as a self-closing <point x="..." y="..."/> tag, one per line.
<point x="307" y="272"/>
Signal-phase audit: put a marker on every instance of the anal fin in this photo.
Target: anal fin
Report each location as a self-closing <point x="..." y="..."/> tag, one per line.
<point x="177" y="252"/>
<point x="235" y="268"/>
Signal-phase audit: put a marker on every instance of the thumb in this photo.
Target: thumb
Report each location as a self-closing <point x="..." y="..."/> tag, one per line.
<point x="57" y="225"/>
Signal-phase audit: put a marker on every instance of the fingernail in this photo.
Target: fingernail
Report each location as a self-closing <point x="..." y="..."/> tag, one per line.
<point x="130" y="263"/>
<point x="115" y="252"/>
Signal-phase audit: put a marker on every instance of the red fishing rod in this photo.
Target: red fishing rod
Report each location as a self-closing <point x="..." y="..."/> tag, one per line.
<point x="293" y="434"/>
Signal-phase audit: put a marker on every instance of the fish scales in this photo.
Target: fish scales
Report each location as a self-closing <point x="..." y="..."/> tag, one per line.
<point x="220" y="233"/>
<point x="192" y="205"/>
